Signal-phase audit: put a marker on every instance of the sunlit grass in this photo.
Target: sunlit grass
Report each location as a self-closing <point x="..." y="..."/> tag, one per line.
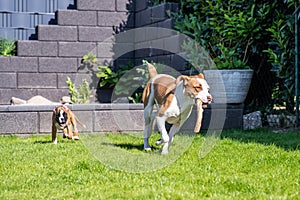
<point x="242" y="165"/>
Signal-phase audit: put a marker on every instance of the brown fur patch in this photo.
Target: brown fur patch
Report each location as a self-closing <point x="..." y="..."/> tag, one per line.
<point x="163" y="86"/>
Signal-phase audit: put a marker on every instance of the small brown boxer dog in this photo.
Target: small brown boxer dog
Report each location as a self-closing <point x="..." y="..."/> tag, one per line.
<point x="63" y="119"/>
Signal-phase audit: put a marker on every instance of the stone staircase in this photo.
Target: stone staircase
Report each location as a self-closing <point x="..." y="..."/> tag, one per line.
<point x="42" y="65"/>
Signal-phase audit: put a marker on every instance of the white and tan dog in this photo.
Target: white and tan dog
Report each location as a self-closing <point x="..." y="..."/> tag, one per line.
<point x="174" y="99"/>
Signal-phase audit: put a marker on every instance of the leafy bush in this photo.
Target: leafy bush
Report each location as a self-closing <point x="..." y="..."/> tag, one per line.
<point x="226" y="29"/>
<point x="243" y="34"/>
<point x="7" y="48"/>
<point x="281" y="55"/>
<point x="83" y="95"/>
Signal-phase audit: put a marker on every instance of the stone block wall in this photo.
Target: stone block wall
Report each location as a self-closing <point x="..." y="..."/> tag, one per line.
<point x="103" y="118"/>
<point x="42" y="65"/>
<point x="98" y="118"/>
<point x="164" y="46"/>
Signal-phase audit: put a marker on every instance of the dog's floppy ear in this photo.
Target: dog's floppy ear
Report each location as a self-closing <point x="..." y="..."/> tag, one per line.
<point x="182" y="77"/>
<point x="54" y="109"/>
<point x="65" y="107"/>
<point x="201" y="76"/>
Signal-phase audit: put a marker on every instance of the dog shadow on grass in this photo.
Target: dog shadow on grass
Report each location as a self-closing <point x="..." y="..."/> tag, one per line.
<point x="50" y="142"/>
<point x="129" y="147"/>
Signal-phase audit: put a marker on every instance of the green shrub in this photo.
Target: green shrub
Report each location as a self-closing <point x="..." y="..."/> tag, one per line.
<point x="242" y="34"/>
<point x="82" y="95"/>
<point x="7" y="48"/>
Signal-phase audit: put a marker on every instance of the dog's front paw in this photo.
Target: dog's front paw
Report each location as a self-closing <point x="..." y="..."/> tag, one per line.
<point x="164" y="152"/>
<point x="160" y="142"/>
<point x="147" y="149"/>
<point x="75" y="137"/>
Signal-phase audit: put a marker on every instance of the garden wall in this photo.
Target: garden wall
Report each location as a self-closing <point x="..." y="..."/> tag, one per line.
<point x="42" y="65"/>
<point x="102" y="118"/>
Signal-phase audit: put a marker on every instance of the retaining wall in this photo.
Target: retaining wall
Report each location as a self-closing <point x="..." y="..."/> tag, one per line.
<point x="102" y="118"/>
<point x="42" y="65"/>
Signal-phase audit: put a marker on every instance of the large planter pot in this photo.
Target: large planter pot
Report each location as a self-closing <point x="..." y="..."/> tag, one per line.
<point x="228" y="86"/>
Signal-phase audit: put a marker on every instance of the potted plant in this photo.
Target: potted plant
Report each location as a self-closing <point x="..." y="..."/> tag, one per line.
<point x="226" y="30"/>
<point x="231" y="80"/>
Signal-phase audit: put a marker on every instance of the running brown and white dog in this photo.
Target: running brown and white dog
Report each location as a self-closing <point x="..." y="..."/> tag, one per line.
<point x="64" y="119"/>
<point x="174" y="99"/>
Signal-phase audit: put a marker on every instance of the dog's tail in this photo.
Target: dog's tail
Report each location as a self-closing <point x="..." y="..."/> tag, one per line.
<point x="82" y="124"/>
<point x="151" y="69"/>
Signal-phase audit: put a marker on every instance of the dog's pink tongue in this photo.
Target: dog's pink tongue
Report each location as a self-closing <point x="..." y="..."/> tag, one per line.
<point x="199" y="115"/>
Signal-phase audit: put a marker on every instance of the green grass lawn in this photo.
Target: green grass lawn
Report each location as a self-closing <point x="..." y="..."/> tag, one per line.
<point x="243" y="165"/>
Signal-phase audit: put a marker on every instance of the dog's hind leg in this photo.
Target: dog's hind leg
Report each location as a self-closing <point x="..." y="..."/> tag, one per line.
<point x="160" y="121"/>
<point x="148" y="126"/>
<point x="54" y="139"/>
<point x="174" y="129"/>
<point x="76" y="136"/>
<point x="70" y="132"/>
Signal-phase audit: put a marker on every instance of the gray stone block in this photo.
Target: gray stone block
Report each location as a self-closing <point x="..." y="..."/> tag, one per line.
<point x="124" y="50"/>
<point x="168" y="24"/>
<point x="118" y="120"/>
<point x="86" y="117"/>
<point x="178" y="62"/>
<point x="125" y="5"/>
<point x="159" y="13"/>
<point x="140" y="35"/>
<point x="96" y="34"/>
<point x="164" y="59"/>
<point x="30" y="108"/>
<point x="57" y="33"/>
<point x="140" y="5"/>
<point x="173" y="44"/>
<point x="65" y="65"/>
<point x="157" y="47"/>
<point x="77" y="79"/>
<point x="105" y="50"/>
<point x="112" y="18"/>
<point x="19" y="122"/>
<point x="36" y="48"/>
<point x="143" y="18"/>
<point x="7" y="94"/>
<point x="8" y="80"/>
<point x="76" y="49"/>
<point x="143" y="49"/>
<point x="218" y="117"/>
<point x="24" y="64"/>
<point x="104" y="5"/>
<point x="37" y="80"/>
<point x="45" y="122"/>
<point x="77" y="18"/>
<point x="53" y="94"/>
<point x="5" y="65"/>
